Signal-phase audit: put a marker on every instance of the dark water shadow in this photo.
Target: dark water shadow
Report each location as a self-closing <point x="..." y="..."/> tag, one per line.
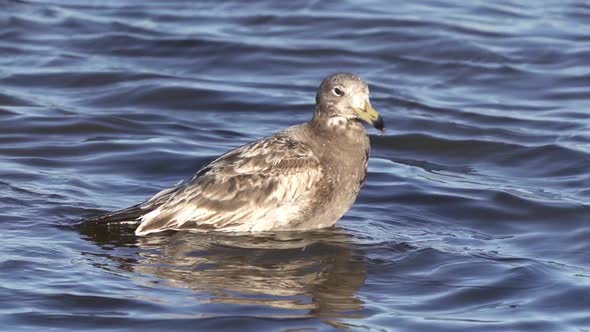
<point x="309" y="274"/>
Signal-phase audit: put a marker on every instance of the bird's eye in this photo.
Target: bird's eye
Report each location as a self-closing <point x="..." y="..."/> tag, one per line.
<point x="338" y="92"/>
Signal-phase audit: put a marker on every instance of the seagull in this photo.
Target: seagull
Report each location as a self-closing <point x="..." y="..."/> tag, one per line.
<point x="304" y="177"/>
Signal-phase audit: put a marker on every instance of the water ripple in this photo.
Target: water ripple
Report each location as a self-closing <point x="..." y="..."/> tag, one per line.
<point x="474" y="215"/>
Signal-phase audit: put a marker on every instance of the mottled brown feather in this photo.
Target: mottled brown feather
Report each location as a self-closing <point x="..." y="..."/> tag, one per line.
<point x="261" y="174"/>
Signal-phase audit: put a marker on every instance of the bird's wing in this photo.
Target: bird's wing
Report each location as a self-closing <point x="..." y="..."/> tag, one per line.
<point x="271" y="179"/>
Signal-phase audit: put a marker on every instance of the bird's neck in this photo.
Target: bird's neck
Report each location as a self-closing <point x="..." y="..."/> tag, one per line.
<point x="337" y="126"/>
<point x="342" y="145"/>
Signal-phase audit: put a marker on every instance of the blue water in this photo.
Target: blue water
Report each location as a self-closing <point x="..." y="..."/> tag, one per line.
<point x="476" y="211"/>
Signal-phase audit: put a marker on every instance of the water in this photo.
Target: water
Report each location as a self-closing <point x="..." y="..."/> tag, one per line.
<point x="476" y="211"/>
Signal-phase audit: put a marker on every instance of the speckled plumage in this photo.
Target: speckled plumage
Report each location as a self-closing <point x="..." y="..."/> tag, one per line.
<point x="304" y="177"/>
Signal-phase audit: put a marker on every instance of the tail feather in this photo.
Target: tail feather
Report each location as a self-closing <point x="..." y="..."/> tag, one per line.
<point x="130" y="214"/>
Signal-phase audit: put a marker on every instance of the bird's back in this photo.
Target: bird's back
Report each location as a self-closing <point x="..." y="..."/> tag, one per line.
<point x="270" y="184"/>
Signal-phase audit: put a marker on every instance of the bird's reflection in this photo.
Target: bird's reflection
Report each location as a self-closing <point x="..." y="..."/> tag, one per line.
<point x="318" y="272"/>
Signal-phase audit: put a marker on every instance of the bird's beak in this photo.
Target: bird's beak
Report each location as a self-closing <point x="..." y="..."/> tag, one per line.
<point x="370" y="115"/>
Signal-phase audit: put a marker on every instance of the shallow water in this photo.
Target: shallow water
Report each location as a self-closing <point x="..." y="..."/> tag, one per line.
<point x="474" y="216"/>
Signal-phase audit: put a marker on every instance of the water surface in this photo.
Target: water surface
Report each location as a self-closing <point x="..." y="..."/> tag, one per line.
<point x="475" y="214"/>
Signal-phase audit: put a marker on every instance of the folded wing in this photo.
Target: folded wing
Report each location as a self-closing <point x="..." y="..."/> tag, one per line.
<point x="264" y="185"/>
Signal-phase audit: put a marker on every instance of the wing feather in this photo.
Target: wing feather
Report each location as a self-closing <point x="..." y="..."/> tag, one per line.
<point x="262" y="185"/>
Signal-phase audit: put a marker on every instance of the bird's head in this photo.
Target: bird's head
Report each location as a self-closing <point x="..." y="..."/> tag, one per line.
<point x="346" y="95"/>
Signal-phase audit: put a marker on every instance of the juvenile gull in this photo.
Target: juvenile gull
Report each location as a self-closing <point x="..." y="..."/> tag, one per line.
<point x="304" y="177"/>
